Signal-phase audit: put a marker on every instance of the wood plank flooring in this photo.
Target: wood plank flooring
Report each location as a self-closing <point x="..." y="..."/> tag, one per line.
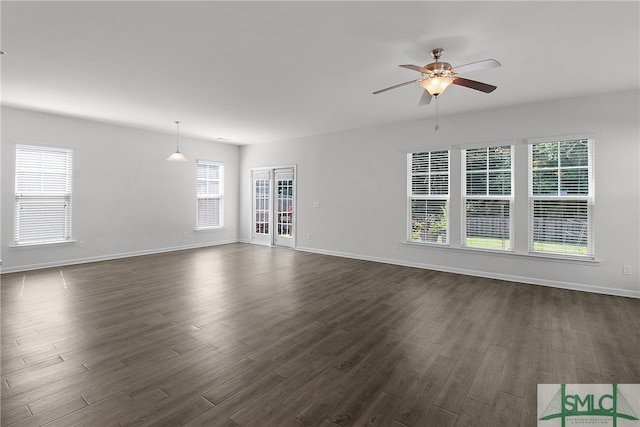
<point x="245" y="335"/>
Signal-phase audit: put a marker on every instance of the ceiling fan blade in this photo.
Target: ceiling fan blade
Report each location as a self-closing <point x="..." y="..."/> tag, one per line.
<point x="425" y="98"/>
<point x="482" y="87"/>
<point x="474" y="66"/>
<point x="395" y="86"/>
<point x="415" y="68"/>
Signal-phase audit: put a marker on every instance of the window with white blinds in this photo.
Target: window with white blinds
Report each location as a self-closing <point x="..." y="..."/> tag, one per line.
<point x="561" y="197"/>
<point x="42" y="195"/>
<point x="210" y="191"/>
<point x="487" y="197"/>
<point x="428" y="196"/>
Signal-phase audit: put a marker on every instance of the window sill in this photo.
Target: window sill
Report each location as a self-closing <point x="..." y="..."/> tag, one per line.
<point x="198" y="230"/>
<point x="44" y="244"/>
<point x="578" y="259"/>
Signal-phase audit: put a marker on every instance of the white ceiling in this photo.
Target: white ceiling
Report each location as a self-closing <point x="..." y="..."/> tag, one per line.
<point x="262" y="71"/>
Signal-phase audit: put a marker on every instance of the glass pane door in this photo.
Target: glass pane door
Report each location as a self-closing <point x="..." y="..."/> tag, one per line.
<point x="284" y="207"/>
<point x="262" y="207"/>
<point x="273" y="207"/>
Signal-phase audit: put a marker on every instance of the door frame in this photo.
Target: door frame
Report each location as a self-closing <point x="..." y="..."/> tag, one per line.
<point x="272" y="214"/>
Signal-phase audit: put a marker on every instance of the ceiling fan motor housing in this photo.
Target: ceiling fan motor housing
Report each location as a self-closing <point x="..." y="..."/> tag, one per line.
<point x="439" y="69"/>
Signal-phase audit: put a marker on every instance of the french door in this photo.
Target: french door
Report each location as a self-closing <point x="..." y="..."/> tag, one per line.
<point x="274" y="206"/>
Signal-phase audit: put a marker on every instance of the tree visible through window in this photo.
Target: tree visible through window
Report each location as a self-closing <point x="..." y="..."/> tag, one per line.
<point x="487" y="197"/>
<point x="428" y="196"/>
<point x="561" y="197"/>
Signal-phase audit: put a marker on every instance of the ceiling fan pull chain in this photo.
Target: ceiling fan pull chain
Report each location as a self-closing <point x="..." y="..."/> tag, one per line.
<point x="437" y="126"/>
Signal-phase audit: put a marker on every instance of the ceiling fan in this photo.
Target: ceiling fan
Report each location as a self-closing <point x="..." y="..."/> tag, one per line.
<point x="438" y="75"/>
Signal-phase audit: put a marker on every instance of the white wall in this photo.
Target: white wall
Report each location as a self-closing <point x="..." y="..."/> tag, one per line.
<point x="127" y="199"/>
<point x="359" y="178"/>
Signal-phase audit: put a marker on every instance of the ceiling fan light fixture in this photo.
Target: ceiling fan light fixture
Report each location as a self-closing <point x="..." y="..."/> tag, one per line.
<point x="177" y="156"/>
<point x="436" y="85"/>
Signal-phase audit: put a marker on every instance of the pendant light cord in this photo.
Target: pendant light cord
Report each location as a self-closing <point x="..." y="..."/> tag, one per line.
<point x="178" y="135"/>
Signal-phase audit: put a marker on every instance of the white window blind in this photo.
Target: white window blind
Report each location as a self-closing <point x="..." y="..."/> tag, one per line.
<point x="428" y="196"/>
<point x="487" y="197"/>
<point x="42" y="195"/>
<point x="561" y="197"/>
<point x="210" y="191"/>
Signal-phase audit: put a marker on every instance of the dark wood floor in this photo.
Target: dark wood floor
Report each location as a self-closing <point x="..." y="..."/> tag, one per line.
<point x="251" y="336"/>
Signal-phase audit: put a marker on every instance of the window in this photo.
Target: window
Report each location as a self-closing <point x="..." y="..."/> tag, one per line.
<point x="43" y="195"/>
<point x="487" y="197"/>
<point x="561" y="197"/>
<point x="210" y="190"/>
<point x="428" y="196"/>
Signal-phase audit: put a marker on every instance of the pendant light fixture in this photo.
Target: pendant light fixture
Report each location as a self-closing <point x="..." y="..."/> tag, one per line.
<point x="177" y="156"/>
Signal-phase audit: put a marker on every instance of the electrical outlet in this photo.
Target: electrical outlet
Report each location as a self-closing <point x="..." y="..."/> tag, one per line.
<point x="80" y="244"/>
<point x="309" y="236"/>
<point x="626" y="269"/>
<point x="184" y="234"/>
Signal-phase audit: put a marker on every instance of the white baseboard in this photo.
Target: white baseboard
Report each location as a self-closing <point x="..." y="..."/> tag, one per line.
<point x="488" y="275"/>
<point x="17" y="269"/>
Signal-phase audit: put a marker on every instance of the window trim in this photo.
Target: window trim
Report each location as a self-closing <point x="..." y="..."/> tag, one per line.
<point x="500" y="253"/>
